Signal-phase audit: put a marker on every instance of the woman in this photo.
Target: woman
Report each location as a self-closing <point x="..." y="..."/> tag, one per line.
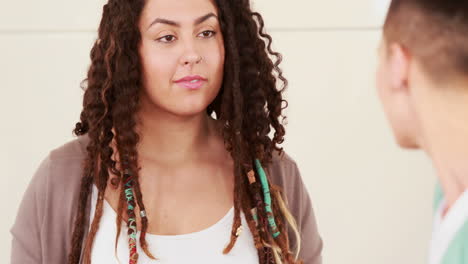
<point x="180" y="100"/>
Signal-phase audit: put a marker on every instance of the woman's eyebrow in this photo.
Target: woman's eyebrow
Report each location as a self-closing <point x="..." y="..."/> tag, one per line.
<point x="204" y="18"/>
<point x="177" y="24"/>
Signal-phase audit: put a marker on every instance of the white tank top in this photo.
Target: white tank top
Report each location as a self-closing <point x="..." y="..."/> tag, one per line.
<point x="204" y="246"/>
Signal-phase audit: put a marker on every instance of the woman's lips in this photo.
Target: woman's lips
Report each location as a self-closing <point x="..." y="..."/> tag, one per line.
<point x="192" y="82"/>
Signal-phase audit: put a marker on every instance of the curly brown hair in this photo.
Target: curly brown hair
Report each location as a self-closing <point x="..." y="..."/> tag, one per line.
<point x="249" y="104"/>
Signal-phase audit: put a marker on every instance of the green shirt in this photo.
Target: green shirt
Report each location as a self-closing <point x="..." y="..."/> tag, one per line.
<point x="450" y="237"/>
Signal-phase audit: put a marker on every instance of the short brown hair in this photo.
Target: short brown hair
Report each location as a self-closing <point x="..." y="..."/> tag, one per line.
<point x="434" y="31"/>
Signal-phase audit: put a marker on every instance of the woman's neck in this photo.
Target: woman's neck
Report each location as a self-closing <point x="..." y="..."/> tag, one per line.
<point x="170" y="139"/>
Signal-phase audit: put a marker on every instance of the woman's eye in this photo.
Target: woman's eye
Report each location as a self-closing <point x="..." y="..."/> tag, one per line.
<point x="166" y="39"/>
<point x="207" y="34"/>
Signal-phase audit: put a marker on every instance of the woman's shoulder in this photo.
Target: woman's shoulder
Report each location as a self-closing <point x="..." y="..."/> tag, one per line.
<point x="74" y="149"/>
<point x="283" y="170"/>
<point x="282" y="157"/>
<point x="60" y="173"/>
<point x="284" y="173"/>
<point x="65" y="162"/>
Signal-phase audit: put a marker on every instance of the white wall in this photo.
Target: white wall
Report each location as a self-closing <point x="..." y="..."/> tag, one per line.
<point x="372" y="200"/>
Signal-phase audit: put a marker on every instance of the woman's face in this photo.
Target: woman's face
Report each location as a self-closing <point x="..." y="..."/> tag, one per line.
<point x="182" y="55"/>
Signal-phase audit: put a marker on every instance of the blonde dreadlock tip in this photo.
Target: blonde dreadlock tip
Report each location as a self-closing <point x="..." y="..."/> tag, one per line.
<point x="239" y="231"/>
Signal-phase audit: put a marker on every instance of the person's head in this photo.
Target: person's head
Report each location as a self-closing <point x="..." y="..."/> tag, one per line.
<point x="143" y="47"/>
<point x="423" y="67"/>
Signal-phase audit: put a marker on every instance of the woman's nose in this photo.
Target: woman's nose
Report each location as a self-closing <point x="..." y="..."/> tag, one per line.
<point x="190" y="56"/>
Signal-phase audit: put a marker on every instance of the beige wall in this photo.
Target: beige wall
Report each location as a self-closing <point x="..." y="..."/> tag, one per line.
<point x="372" y="200"/>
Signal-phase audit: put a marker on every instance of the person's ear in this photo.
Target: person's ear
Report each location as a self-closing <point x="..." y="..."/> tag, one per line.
<point x="399" y="65"/>
<point x="396" y="95"/>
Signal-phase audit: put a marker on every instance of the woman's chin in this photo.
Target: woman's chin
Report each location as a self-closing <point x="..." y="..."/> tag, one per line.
<point x="189" y="110"/>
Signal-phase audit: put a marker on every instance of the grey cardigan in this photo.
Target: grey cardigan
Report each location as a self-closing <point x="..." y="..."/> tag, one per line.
<point x="43" y="227"/>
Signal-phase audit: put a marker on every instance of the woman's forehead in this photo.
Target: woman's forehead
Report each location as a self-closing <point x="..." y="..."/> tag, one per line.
<point x="180" y="11"/>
